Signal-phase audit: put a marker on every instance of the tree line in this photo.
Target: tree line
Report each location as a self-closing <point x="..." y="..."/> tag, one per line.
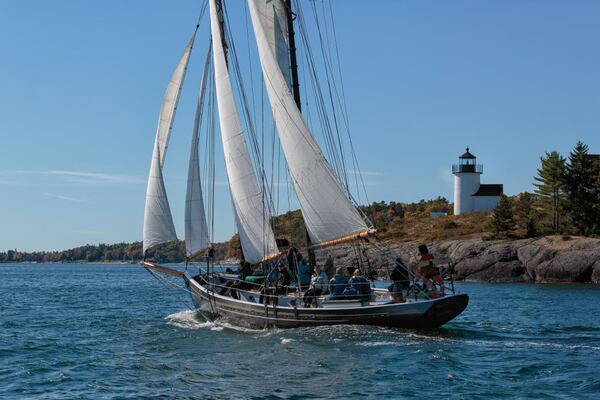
<point x="388" y="218"/>
<point x="566" y="199"/>
<point x="171" y="252"/>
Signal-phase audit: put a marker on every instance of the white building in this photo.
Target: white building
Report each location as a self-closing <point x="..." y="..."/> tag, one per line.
<point x="469" y="193"/>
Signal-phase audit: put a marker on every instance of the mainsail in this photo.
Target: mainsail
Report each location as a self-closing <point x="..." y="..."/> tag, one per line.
<point x="252" y="217"/>
<point x="158" y="221"/>
<point x="170" y="100"/>
<point x="196" y="229"/>
<point x="326" y="208"/>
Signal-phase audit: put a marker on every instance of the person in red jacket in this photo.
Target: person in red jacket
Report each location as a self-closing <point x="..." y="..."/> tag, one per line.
<point x="430" y="274"/>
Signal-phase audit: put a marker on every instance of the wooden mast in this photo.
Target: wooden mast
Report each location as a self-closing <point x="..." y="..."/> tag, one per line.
<point x="296" y="91"/>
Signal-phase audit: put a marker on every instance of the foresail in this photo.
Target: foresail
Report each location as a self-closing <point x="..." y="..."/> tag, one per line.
<point x="170" y="100"/>
<point x="326" y="208"/>
<point x="158" y="222"/>
<point x="252" y="217"/>
<point x="196" y="228"/>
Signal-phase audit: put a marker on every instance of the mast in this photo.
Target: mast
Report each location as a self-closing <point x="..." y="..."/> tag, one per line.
<point x="328" y="212"/>
<point x="293" y="59"/>
<point x="296" y="91"/>
<point x="312" y="260"/>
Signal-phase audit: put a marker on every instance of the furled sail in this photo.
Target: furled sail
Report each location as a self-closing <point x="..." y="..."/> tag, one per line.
<point x="158" y="222"/>
<point x="196" y="228"/>
<point x="252" y="217"/>
<point x="170" y="100"/>
<point x="326" y="208"/>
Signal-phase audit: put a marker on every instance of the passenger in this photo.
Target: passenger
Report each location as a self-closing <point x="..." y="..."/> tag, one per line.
<point x="358" y="286"/>
<point x="318" y="286"/>
<point x="244" y="270"/>
<point x="430" y="274"/>
<point x="329" y="267"/>
<point x="400" y="281"/>
<point x="338" y="283"/>
<point x="303" y="271"/>
<point x="284" y="279"/>
<point x="292" y="259"/>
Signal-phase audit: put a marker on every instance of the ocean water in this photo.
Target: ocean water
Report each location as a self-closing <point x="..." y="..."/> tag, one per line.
<point x="112" y="331"/>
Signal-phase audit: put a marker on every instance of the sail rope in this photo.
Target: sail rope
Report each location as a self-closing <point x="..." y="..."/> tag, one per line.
<point x="334" y="104"/>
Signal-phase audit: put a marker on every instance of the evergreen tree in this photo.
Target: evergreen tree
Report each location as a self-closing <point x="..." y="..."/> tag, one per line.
<point x="525" y="214"/>
<point x="549" y="184"/>
<point x="502" y="222"/>
<point x="581" y="187"/>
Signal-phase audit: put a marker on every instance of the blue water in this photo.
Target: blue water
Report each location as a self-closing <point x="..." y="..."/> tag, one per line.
<point x="112" y="331"/>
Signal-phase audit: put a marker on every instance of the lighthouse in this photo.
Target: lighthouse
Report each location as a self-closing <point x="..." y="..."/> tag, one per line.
<point x="469" y="193"/>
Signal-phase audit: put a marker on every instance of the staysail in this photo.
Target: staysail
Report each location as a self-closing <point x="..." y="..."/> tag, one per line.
<point x="252" y="217"/>
<point x="326" y="208"/>
<point x="158" y="221"/>
<point x="196" y="228"/>
<point x="170" y="100"/>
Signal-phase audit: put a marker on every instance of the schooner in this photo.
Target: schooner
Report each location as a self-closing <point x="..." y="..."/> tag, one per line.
<point x="330" y="215"/>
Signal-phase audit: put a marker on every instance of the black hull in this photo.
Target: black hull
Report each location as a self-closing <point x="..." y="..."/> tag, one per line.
<point x="422" y="314"/>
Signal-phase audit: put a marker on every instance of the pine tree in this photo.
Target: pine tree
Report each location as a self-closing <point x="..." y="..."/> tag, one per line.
<point x="549" y="184"/>
<point x="581" y="187"/>
<point x="525" y="214"/>
<point x="502" y="222"/>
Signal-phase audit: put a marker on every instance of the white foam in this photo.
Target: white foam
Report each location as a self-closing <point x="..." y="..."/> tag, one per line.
<point x="387" y="343"/>
<point x="286" y="340"/>
<point x="187" y="320"/>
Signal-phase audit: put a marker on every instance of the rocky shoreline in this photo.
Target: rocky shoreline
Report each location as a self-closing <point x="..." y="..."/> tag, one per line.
<point x="550" y="259"/>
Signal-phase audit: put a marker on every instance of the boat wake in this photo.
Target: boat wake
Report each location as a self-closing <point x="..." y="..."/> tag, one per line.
<point x="191" y="319"/>
<point x="188" y="319"/>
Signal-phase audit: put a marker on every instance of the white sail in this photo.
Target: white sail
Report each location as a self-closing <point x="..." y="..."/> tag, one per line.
<point x="274" y="20"/>
<point x="252" y="217"/>
<point x="196" y="228"/>
<point x="170" y="100"/>
<point x="326" y="208"/>
<point x="158" y="222"/>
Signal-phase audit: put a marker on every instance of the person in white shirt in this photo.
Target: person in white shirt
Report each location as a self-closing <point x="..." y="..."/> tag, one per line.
<point x="318" y="286"/>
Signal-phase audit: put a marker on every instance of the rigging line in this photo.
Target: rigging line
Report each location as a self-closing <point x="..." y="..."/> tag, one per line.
<point x="202" y="11"/>
<point x="249" y="59"/>
<point x="356" y="166"/>
<point x="321" y="108"/>
<point x="329" y="83"/>
<point x="266" y="196"/>
<point x="252" y="132"/>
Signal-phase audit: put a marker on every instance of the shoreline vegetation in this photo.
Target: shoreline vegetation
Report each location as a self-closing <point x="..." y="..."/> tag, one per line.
<point x="550" y="235"/>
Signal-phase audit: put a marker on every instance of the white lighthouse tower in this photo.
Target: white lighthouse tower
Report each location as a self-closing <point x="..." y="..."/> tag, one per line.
<point x="469" y="193"/>
<point x="467" y="178"/>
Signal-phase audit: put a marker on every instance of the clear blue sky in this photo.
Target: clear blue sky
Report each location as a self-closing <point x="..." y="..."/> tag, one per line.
<point x="81" y="85"/>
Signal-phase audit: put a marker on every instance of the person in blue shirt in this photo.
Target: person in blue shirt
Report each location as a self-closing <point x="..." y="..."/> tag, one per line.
<point x="358" y="287"/>
<point x="338" y="283"/>
<point x="303" y="271"/>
